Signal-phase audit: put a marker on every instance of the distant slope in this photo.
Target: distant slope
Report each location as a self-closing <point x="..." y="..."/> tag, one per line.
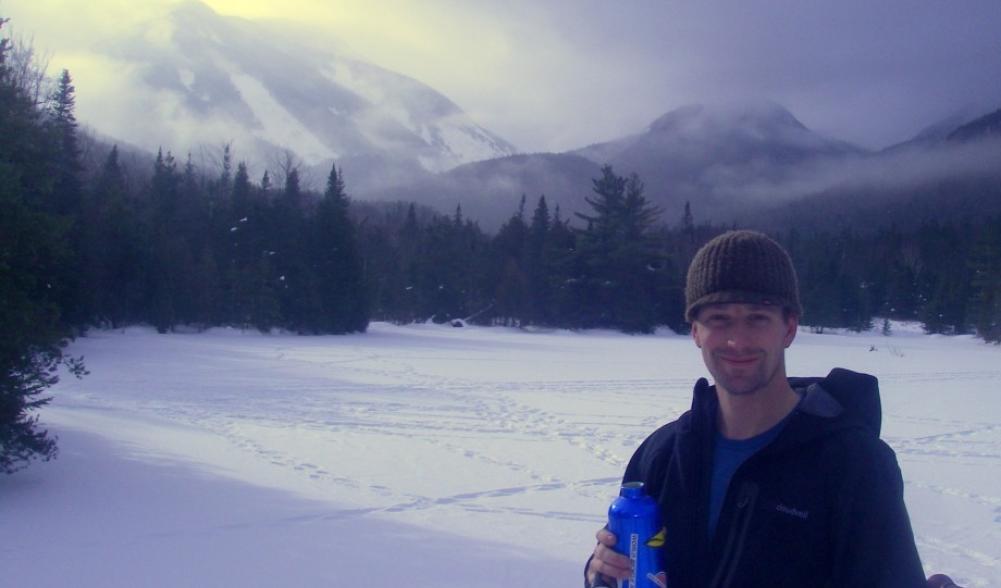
<point x="984" y="127"/>
<point x="722" y="159"/>
<point x="199" y="79"/>
<point x="489" y="191"/>
<point x="942" y="175"/>
<point x="751" y="165"/>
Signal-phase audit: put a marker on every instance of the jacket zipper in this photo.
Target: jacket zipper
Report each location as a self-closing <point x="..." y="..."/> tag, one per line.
<point x="738" y="534"/>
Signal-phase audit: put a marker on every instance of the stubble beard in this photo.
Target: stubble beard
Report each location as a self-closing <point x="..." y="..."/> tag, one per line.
<point x="745" y="385"/>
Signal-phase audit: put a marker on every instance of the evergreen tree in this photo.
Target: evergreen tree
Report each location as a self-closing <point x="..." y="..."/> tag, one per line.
<point x="295" y="284"/>
<point x="559" y="257"/>
<point x="621" y="269"/>
<point x="200" y="285"/>
<point x="113" y="249"/>
<point x="241" y="191"/>
<point x="243" y="251"/>
<point x="33" y="249"/>
<point x="337" y="263"/>
<point x="227" y="168"/>
<point x="537" y="266"/>
<point x="169" y="255"/>
<point x="405" y="291"/>
<point x="986" y="283"/>
<point x="511" y="297"/>
<point x="67" y="190"/>
<point x="688" y="223"/>
<point x="66" y="195"/>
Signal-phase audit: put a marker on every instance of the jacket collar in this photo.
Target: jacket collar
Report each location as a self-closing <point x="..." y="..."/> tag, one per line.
<point x="841" y="398"/>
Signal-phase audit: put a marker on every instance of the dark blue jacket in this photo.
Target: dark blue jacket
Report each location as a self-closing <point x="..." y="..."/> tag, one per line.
<point x="822" y="505"/>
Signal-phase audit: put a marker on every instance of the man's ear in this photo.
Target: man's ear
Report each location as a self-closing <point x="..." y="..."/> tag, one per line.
<point x="792" y="326"/>
<point x="695" y="335"/>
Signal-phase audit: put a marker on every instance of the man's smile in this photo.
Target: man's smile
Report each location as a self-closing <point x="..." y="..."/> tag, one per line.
<point x="739" y="361"/>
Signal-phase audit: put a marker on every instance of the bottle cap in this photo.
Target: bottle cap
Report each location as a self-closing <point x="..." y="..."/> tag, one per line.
<point x="631" y="490"/>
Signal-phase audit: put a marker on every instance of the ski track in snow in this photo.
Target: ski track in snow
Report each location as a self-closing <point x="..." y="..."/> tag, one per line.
<point x="460" y="429"/>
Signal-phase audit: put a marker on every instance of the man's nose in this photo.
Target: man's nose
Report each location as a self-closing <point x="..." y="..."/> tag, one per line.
<point x="736" y="335"/>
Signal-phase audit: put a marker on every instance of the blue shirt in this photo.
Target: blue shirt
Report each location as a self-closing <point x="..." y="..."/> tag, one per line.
<point x="728" y="454"/>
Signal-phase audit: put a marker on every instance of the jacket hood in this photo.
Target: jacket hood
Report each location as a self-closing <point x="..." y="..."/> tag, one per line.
<point x="856" y="394"/>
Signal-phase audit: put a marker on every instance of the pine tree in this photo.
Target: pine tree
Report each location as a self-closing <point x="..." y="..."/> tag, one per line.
<point x="559" y="257"/>
<point x="537" y="270"/>
<point x="63" y="122"/>
<point x="688" y="223"/>
<point x="169" y="254"/>
<point x="242" y="251"/>
<point x="226" y="173"/>
<point x="511" y="297"/>
<point x="389" y="242"/>
<point x="241" y="191"/>
<point x="620" y="267"/>
<point x="113" y="249"/>
<point x="337" y="264"/>
<point x="34" y="249"/>
<point x="986" y="283"/>
<point x="200" y="284"/>
<point x="67" y="193"/>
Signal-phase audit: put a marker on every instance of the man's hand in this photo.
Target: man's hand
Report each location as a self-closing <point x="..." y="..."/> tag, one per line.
<point x="607" y="562"/>
<point x="941" y="581"/>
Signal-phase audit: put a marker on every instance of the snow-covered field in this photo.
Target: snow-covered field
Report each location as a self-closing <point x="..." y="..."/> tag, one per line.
<point x="430" y="456"/>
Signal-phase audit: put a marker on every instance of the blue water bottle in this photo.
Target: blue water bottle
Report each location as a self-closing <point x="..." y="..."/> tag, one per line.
<point x="635" y="520"/>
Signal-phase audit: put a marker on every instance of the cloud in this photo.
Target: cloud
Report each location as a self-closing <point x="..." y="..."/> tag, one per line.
<point x="561" y="74"/>
<point x="913" y="167"/>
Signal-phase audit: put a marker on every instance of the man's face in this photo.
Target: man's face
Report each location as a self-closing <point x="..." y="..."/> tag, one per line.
<point x="743" y="345"/>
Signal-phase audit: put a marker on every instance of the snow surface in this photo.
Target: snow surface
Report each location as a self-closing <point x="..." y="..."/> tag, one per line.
<point x="459" y="136"/>
<point x="430" y="456"/>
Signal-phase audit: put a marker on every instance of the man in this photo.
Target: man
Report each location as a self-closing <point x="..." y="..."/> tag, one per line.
<point x="768" y="480"/>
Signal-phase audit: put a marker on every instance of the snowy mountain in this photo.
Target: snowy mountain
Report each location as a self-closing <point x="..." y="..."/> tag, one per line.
<point x="196" y="81"/>
<point x="724" y="153"/>
<point x="203" y="80"/>
<point x="752" y="164"/>
<point x="723" y="158"/>
<point x="698" y="135"/>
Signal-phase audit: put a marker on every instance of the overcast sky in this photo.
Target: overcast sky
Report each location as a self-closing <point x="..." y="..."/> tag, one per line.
<point x="560" y="74"/>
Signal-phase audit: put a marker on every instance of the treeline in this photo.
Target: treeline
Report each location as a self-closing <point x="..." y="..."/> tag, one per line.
<point x="197" y="251"/>
<point x="945" y="275"/>
<point x="621" y="272"/>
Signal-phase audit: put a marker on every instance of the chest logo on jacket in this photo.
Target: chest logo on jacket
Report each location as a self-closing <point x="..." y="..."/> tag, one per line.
<point x="793" y="512"/>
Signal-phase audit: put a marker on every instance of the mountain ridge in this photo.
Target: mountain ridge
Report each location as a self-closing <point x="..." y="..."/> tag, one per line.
<point x="730" y="163"/>
<point x="207" y="79"/>
<point x="203" y="78"/>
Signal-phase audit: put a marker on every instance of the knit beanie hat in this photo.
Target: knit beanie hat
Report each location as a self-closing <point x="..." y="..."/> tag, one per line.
<point x="741" y="266"/>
